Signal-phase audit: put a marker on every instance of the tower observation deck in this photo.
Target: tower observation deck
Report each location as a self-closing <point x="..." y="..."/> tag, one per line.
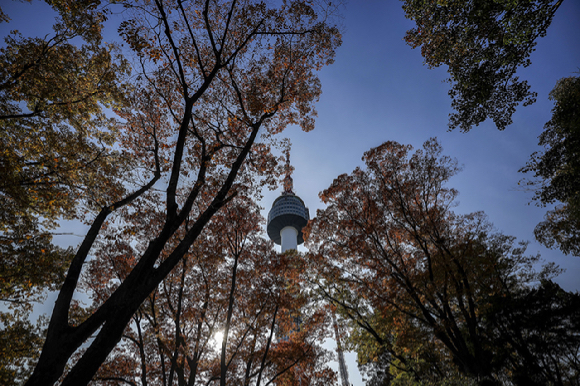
<point x="288" y="215"/>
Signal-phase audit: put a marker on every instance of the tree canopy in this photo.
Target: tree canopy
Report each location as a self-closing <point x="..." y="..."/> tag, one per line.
<point x="483" y="43"/>
<point x="162" y="141"/>
<point x="419" y="282"/>
<point x="231" y="283"/>
<point x="556" y="170"/>
<point x="55" y="153"/>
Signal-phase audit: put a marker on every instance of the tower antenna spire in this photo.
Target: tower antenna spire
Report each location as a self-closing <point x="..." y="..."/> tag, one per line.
<point x="288" y="182"/>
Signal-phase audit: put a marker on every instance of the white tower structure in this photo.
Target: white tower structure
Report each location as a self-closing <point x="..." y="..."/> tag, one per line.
<point x="288" y="215"/>
<point x="285" y="222"/>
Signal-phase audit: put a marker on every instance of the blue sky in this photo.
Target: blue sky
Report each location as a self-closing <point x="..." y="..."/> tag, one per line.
<point x="378" y="89"/>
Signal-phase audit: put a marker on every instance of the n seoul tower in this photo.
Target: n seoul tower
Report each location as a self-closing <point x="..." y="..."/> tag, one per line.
<point x="285" y="222"/>
<point x="288" y="215"/>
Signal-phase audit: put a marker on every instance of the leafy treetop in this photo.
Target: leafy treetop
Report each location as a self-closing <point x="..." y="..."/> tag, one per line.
<point x="483" y="43"/>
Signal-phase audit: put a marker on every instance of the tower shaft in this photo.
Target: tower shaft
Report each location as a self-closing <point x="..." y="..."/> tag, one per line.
<point x="289" y="236"/>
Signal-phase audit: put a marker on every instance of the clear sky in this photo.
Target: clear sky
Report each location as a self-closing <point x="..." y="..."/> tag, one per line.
<point x="378" y="89"/>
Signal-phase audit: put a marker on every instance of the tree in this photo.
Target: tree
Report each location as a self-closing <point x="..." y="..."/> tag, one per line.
<point x="217" y="80"/>
<point x="55" y="148"/>
<point x="540" y="328"/>
<point x="557" y="170"/>
<point x="20" y="342"/>
<point x="232" y="282"/>
<point x="415" y="278"/>
<point x="56" y="138"/>
<point x="483" y="43"/>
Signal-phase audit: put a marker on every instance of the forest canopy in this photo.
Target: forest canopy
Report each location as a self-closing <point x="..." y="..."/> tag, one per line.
<point x="161" y="136"/>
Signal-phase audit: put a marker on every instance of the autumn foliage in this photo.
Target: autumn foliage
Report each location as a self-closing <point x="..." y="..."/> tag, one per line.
<point x="55" y="155"/>
<point x="231" y="284"/>
<point x="210" y="83"/>
<point x="420" y="283"/>
<point x="161" y="142"/>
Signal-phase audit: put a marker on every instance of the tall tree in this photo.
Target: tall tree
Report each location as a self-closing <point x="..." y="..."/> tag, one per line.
<point x="55" y="151"/>
<point x="217" y="80"/>
<point x="232" y="284"/>
<point x="483" y="43"/>
<point x="414" y="277"/>
<point x="556" y="170"/>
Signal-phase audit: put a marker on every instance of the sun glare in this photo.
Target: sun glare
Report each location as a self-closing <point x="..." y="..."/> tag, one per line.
<point x="216" y="340"/>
